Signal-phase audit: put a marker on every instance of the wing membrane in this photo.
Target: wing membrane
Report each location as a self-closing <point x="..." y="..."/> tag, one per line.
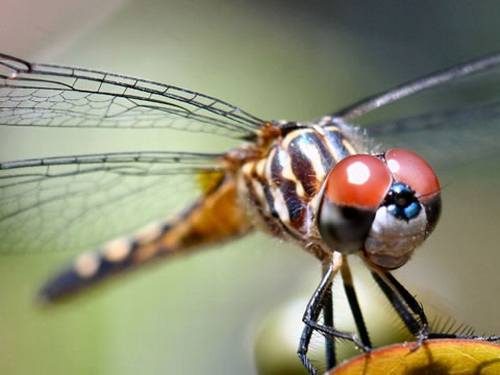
<point x="449" y="117"/>
<point x="72" y="203"/>
<point x="445" y="138"/>
<point x="59" y="96"/>
<point x="413" y="87"/>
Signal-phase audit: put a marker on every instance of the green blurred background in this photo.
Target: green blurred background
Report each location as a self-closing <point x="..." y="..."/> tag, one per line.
<point x="277" y="59"/>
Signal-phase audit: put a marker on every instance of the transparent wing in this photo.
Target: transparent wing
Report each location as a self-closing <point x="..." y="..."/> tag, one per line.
<point x="79" y="202"/>
<point x="448" y="138"/>
<point x="427" y="82"/>
<point x="59" y="96"/>
<point x="449" y="116"/>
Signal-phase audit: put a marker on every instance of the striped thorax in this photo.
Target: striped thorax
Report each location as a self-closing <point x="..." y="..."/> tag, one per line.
<point x="282" y="188"/>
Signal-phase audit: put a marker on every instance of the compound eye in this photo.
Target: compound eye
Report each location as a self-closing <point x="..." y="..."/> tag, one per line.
<point x="355" y="188"/>
<point x="359" y="181"/>
<point x="410" y="169"/>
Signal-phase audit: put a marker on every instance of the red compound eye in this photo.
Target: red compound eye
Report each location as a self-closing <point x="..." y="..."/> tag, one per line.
<point x="360" y="181"/>
<point x="410" y="169"/>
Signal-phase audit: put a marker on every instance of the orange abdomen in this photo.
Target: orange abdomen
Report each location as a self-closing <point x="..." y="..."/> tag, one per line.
<point x="216" y="217"/>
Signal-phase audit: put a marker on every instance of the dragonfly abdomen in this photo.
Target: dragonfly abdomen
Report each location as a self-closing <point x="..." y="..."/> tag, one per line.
<point x="214" y="218"/>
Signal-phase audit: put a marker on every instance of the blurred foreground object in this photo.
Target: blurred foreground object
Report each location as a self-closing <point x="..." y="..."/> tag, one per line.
<point x="454" y="356"/>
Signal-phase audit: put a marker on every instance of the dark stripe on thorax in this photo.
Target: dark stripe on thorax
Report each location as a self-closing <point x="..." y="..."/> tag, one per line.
<point x="300" y="148"/>
<point x="295" y="206"/>
<point x="338" y="141"/>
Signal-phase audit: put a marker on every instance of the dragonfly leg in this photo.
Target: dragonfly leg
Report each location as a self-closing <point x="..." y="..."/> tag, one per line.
<point x="401" y="300"/>
<point x="310" y="319"/>
<point x="331" y="358"/>
<point x="305" y="339"/>
<point x="409" y="310"/>
<point x="312" y="312"/>
<point x="458" y="336"/>
<point x="332" y="332"/>
<point x="414" y="305"/>
<point x="354" y="304"/>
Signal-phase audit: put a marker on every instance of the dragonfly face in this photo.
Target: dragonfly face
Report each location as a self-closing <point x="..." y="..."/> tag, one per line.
<point x="384" y="204"/>
<point x="314" y="183"/>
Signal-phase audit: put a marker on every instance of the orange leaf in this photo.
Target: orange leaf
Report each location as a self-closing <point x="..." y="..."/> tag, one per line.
<point x="443" y="356"/>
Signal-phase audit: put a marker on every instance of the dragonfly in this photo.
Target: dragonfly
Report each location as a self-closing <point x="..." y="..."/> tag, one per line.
<point x="319" y="184"/>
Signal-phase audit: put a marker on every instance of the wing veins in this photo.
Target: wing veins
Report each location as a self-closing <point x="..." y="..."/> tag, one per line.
<point x="412" y="87"/>
<point x="85" y="190"/>
<point x="434" y="119"/>
<point x="116" y="157"/>
<point x="237" y="119"/>
<point x="184" y="113"/>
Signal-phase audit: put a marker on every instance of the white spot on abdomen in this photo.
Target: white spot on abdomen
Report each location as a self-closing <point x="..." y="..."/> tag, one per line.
<point x="117" y="250"/>
<point x="86" y="265"/>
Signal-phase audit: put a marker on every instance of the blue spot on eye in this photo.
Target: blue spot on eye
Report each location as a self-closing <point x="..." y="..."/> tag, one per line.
<point x="412" y="210"/>
<point x="401" y="202"/>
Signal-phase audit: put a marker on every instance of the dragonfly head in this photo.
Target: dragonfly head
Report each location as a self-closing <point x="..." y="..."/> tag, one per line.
<point x="384" y="205"/>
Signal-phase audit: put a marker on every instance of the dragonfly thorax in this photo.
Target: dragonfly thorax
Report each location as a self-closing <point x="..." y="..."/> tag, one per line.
<point x="282" y="189"/>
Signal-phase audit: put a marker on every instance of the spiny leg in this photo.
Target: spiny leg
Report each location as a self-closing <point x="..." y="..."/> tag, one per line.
<point x="354" y="304"/>
<point x="312" y="312"/>
<point x="418" y="309"/>
<point x="401" y="300"/>
<point x="413" y="325"/>
<point x="409" y="299"/>
<point x="305" y="340"/>
<point x="311" y="315"/>
<point x="331" y="358"/>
